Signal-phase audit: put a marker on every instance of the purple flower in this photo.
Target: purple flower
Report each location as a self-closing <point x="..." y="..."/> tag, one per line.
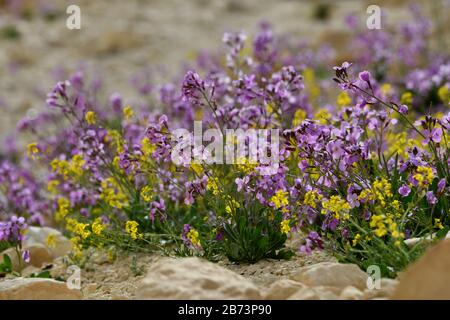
<point x="365" y="76"/>
<point x="403" y="109"/>
<point x="441" y="185"/>
<point x="404" y="190"/>
<point x="26" y="256"/>
<point x="432" y="200"/>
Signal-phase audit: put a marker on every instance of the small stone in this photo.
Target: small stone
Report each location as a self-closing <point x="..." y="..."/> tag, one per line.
<point x="194" y="278"/>
<point x="387" y="288"/>
<point x="36" y="289"/>
<point x="351" y="293"/>
<point x="331" y="274"/>
<point x="283" y="289"/>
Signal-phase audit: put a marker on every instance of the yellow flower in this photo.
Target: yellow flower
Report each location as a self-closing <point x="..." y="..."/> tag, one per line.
<point x="131" y="227"/>
<point x="285" y="227"/>
<point x="438" y="224"/>
<point x="50" y="241"/>
<point x="90" y="117"/>
<point x="232" y="205"/>
<point x="52" y="186"/>
<point x="299" y="116"/>
<point x="128" y="112"/>
<point x="32" y="149"/>
<point x="386" y="89"/>
<point x="343" y="99"/>
<point x="338" y="206"/>
<point x="311" y="198"/>
<point x="193" y="236"/>
<point x="147" y="147"/>
<point x="63" y="208"/>
<point x="424" y="176"/>
<point x="322" y="116"/>
<point x="112" y="194"/>
<point x="213" y="185"/>
<point x="245" y="165"/>
<point x="444" y="94"/>
<point x="356" y="239"/>
<point x="382" y="190"/>
<point x="197" y="168"/>
<point x="147" y="193"/>
<point x="406" y="98"/>
<point x="98" y="226"/>
<point x="280" y="199"/>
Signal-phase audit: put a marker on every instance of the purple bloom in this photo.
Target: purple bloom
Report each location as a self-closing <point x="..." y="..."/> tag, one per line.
<point x="432" y="200"/>
<point x="365" y="76"/>
<point x="26" y="256"/>
<point x="404" y="190"/>
<point x="403" y="109"/>
<point x="441" y="185"/>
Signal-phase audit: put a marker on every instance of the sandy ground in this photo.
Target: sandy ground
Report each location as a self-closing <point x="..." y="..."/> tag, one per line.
<point x="119" y="37"/>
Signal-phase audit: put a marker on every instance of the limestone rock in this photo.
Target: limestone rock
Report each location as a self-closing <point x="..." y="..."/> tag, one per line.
<point x="37" y="235"/>
<point x="283" y="289"/>
<point x="36" y="289"/>
<point x="39" y="254"/>
<point x="429" y="277"/>
<point x="351" y="293"/>
<point x="331" y="274"/>
<point x="194" y="278"/>
<point x="387" y="288"/>
<point x="316" y="293"/>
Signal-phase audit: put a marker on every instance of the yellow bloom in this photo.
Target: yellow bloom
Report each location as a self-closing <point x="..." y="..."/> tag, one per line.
<point x="50" y="241"/>
<point x="32" y="149"/>
<point x="98" y="226"/>
<point x="386" y="89"/>
<point x="444" y="94"/>
<point x="311" y="198"/>
<point x="63" y="208"/>
<point x="438" y="224"/>
<point x="128" y="112"/>
<point x="193" y="236"/>
<point x="245" y="165"/>
<point x="343" y="99"/>
<point x="52" y="186"/>
<point x="232" y="205"/>
<point x="406" y="98"/>
<point x="280" y="199"/>
<point x="90" y="117"/>
<point x="322" y="116"/>
<point x="299" y="116"/>
<point x="197" y="168"/>
<point x="338" y="206"/>
<point x="147" y="193"/>
<point x="131" y="227"/>
<point x="285" y="227"/>
<point x="213" y="185"/>
<point x="424" y="176"/>
<point x="147" y="147"/>
<point x="112" y="194"/>
<point x="356" y="239"/>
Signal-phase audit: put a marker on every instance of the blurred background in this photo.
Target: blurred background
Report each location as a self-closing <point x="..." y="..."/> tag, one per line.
<point x="118" y="37"/>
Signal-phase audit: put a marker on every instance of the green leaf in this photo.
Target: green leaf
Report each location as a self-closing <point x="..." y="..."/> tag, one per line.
<point x="44" y="274"/>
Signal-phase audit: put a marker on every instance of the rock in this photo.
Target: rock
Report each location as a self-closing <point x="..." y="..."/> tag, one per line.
<point x="39" y="254"/>
<point x="316" y="293"/>
<point x="427" y="278"/>
<point x="351" y="293"/>
<point x="38" y="235"/>
<point x="425" y="240"/>
<point x="36" y="289"/>
<point x="194" y="278"/>
<point x="331" y="274"/>
<point x="387" y="288"/>
<point x="283" y="289"/>
<point x="90" y="288"/>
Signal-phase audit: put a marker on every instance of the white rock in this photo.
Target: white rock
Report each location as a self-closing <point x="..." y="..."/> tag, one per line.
<point x="427" y="278"/>
<point x="331" y="274"/>
<point x="351" y="293"/>
<point x="316" y="293"/>
<point x="283" y="289"/>
<point x="387" y="288"/>
<point x="36" y="289"/>
<point x="34" y="235"/>
<point x="413" y="241"/>
<point x="194" y="278"/>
